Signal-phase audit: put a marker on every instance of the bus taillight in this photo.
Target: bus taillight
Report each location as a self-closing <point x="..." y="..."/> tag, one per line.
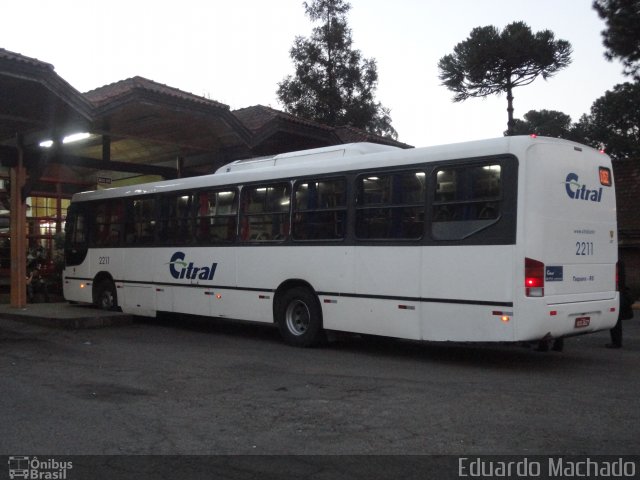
<point x="533" y="278"/>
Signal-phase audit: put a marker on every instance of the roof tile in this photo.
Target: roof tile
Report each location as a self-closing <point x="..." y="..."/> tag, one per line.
<point x="17" y="57"/>
<point x="108" y="93"/>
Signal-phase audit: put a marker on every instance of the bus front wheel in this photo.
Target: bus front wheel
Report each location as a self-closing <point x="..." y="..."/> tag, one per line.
<point x="106" y="297"/>
<point x="299" y="318"/>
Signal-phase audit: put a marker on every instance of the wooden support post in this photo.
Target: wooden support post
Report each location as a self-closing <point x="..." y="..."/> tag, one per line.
<point x="18" y="227"/>
<point x="106" y="148"/>
<point x="179" y="166"/>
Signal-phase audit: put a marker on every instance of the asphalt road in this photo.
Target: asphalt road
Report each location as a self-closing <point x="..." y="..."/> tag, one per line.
<point x="168" y="387"/>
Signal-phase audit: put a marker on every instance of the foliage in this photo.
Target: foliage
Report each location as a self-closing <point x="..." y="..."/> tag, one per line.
<point x="491" y="62"/>
<point x="614" y="122"/>
<point x="547" y="123"/>
<point x="622" y="36"/>
<point x="333" y="84"/>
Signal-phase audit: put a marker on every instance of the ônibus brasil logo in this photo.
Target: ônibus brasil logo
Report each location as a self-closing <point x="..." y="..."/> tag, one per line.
<point x="580" y="191"/>
<point x="181" y="269"/>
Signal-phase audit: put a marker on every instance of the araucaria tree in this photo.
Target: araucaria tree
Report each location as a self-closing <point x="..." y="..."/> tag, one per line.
<point x="333" y="84"/>
<point x="622" y="36"/>
<point x="492" y="62"/>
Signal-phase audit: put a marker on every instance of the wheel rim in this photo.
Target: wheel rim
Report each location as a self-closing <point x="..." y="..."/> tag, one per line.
<point x="106" y="300"/>
<point x="298" y="317"/>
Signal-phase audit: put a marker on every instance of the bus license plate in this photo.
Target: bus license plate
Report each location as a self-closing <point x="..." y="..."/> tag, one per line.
<point x="582" y="322"/>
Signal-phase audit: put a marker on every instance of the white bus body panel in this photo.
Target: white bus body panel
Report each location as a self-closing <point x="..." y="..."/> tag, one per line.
<point x="575" y="238"/>
<point x="433" y="292"/>
<point x="453" y="278"/>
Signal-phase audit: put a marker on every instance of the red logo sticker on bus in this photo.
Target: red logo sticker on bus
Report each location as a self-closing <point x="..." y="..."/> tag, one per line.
<point x="582" y="322"/>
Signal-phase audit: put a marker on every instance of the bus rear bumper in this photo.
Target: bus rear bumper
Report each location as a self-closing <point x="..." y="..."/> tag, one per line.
<point x="570" y="318"/>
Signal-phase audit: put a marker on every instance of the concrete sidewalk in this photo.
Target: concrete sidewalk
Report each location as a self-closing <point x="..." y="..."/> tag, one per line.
<point x="64" y="315"/>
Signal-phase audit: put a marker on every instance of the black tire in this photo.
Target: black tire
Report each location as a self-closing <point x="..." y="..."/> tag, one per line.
<point x="106" y="297"/>
<point x="299" y="318"/>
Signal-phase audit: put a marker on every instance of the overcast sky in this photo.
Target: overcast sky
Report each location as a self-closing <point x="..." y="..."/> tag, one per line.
<point x="236" y="52"/>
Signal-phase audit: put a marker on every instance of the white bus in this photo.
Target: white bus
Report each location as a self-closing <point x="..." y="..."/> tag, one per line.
<point x="505" y="240"/>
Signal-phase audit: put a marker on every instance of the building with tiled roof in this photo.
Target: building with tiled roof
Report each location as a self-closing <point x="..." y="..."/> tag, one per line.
<point x="136" y="129"/>
<point x="274" y="131"/>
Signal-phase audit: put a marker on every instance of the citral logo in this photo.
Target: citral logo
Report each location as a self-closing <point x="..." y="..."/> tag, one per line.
<point x="579" y="191"/>
<point x="188" y="270"/>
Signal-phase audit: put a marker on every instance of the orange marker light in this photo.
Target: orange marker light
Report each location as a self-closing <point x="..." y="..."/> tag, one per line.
<point x="605" y="176"/>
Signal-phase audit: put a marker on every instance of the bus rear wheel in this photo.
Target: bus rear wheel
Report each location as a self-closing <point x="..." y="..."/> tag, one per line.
<point x="106" y="297"/>
<point x="299" y="318"/>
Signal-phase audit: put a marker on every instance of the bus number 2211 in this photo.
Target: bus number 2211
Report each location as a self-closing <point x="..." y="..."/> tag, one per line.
<point x="584" y="248"/>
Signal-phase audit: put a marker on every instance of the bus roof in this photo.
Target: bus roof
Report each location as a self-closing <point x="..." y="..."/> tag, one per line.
<point x="337" y="158"/>
<point x="307" y="156"/>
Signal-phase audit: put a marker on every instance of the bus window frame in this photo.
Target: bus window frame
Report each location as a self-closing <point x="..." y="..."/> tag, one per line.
<point x="501" y="231"/>
<point x="243" y="215"/>
<point x="397" y="170"/>
<point x="344" y="209"/>
<point x="216" y="189"/>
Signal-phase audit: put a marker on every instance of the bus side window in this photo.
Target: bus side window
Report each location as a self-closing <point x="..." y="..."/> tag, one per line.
<point x="107" y="223"/>
<point x="320" y="210"/>
<point x="265" y="213"/>
<point x="116" y="226"/>
<point x="466" y="200"/>
<point x="216" y="216"/>
<point x="76" y="228"/>
<point x="390" y="205"/>
<point x="141" y="223"/>
<point x="175" y="218"/>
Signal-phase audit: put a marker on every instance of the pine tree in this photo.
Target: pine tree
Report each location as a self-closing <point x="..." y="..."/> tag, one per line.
<point x="333" y="84"/>
<point x="492" y="62"/>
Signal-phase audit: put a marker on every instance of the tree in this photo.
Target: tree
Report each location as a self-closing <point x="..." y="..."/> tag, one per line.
<point x="333" y="84"/>
<point x="622" y="36"/>
<point x="614" y="122"/>
<point x="491" y="62"/>
<point x="547" y="123"/>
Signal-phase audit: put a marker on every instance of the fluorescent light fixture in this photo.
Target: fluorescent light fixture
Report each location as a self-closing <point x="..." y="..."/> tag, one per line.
<point x="76" y="137"/>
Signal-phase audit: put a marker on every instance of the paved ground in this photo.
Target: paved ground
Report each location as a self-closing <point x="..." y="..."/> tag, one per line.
<point x="168" y="387"/>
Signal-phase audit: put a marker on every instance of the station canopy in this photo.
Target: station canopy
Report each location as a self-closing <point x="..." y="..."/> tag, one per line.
<point x="137" y="126"/>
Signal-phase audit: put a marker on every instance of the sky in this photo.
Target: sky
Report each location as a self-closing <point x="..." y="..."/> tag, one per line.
<point x="237" y="51"/>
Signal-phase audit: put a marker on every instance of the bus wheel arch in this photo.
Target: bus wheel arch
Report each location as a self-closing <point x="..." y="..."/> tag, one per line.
<point x="104" y="293"/>
<point x="298" y="314"/>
